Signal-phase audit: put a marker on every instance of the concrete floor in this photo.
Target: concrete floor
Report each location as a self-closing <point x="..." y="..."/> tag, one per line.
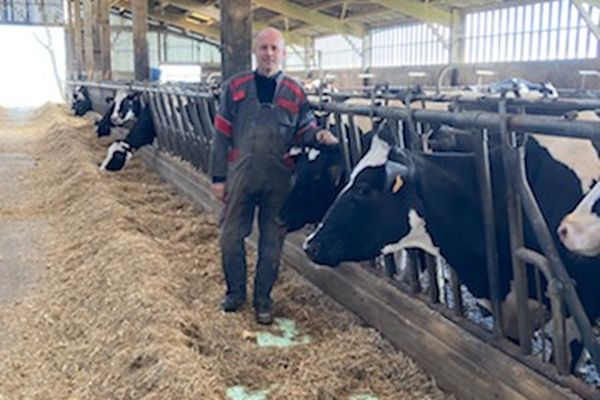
<point x="19" y="231"/>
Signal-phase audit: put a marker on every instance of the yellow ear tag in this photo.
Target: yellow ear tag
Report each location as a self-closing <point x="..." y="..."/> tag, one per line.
<point x="398" y="183"/>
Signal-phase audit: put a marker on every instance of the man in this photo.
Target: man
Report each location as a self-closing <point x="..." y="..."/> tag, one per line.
<point x="261" y="115"/>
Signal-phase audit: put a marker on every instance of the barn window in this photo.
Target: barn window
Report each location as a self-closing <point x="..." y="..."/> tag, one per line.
<point x="549" y="30"/>
<point x="414" y="44"/>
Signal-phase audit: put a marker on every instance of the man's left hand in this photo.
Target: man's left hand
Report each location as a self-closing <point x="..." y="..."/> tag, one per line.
<point x="326" y="137"/>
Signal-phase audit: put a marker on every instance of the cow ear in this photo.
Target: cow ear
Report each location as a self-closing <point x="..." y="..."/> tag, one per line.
<point x="396" y="174"/>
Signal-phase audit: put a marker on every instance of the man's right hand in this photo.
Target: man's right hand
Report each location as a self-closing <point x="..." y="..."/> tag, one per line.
<point x="219" y="192"/>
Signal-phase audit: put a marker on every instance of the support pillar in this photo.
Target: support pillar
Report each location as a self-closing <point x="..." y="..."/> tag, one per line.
<point x="78" y="54"/>
<point x="88" y="38"/>
<point x="104" y="34"/>
<point x="457" y="37"/>
<point x="236" y="37"/>
<point x="139" y="9"/>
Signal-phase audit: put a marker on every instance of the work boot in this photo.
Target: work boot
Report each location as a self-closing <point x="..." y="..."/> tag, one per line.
<point x="232" y="303"/>
<point x="263" y="314"/>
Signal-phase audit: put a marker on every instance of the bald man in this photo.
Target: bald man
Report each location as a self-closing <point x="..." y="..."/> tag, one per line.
<point x="262" y="114"/>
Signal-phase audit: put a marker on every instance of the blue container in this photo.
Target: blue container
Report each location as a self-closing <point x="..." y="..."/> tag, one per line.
<point x="154" y="74"/>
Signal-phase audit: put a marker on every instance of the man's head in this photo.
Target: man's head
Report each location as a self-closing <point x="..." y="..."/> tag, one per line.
<point x="269" y="49"/>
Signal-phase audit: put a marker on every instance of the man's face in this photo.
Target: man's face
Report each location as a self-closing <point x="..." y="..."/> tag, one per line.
<point x="269" y="51"/>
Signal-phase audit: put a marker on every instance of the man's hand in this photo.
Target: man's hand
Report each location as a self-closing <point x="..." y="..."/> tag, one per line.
<point x="326" y="137"/>
<point x="219" y="192"/>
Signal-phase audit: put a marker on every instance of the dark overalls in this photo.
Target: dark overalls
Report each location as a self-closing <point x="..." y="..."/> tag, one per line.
<point x="250" y="150"/>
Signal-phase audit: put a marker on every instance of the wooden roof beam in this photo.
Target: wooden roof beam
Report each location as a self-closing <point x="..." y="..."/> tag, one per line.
<point x="421" y="11"/>
<point x="209" y="12"/>
<point x="180" y="22"/>
<point x="312" y="17"/>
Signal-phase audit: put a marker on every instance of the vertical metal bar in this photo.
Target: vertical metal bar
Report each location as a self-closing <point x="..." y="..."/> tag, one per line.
<point x="515" y="225"/>
<point x="353" y="140"/>
<point x="201" y="144"/>
<point x="172" y="122"/>
<point x="155" y="119"/>
<point x="559" y="342"/>
<point x="434" y="291"/>
<point x="188" y="130"/>
<point x="414" y="265"/>
<point x="178" y="110"/>
<point x="487" y="207"/>
<point x="168" y="123"/>
<point x="344" y="140"/>
<point x="161" y="126"/>
<point x="456" y="293"/>
<point x="390" y="265"/>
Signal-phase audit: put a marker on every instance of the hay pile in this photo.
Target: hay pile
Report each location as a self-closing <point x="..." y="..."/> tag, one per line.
<point x="127" y="306"/>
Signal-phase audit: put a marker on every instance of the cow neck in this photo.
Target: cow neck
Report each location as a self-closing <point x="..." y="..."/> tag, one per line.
<point x="376" y="156"/>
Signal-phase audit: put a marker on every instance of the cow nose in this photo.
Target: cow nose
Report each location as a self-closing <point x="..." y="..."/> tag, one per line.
<point x="563" y="232"/>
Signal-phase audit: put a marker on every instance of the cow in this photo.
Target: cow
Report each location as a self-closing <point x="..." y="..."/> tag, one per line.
<point x="518" y="87"/>
<point x="81" y="101"/>
<point x="142" y="132"/>
<point x="397" y="199"/>
<point x="123" y="107"/>
<point x="104" y="124"/>
<point x="319" y="175"/>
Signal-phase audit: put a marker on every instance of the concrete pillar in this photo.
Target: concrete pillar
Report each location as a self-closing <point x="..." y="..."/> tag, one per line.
<point x="139" y="9"/>
<point x="236" y="37"/>
<point x="309" y="54"/>
<point x="367" y="47"/>
<point x="457" y="37"/>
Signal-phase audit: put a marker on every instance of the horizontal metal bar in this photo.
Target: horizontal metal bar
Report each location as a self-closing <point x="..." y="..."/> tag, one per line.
<point x="168" y="89"/>
<point x="476" y="120"/>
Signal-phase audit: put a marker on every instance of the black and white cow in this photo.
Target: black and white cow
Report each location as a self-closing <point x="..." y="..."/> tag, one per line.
<point x="81" y="101"/>
<point x="142" y="133"/>
<point x="319" y="176"/>
<point x="396" y="199"/>
<point x="104" y="124"/>
<point x="518" y="87"/>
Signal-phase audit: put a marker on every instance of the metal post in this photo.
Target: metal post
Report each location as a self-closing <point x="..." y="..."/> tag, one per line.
<point x="487" y="207"/>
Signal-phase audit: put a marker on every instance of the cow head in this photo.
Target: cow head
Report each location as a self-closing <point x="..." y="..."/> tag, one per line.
<point x="318" y="179"/>
<point x="81" y="101"/>
<point x="81" y="93"/>
<point x="118" y="154"/>
<point x="127" y="107"/>
<point x="580" y="230"/>
<point x="362" y="220"/>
